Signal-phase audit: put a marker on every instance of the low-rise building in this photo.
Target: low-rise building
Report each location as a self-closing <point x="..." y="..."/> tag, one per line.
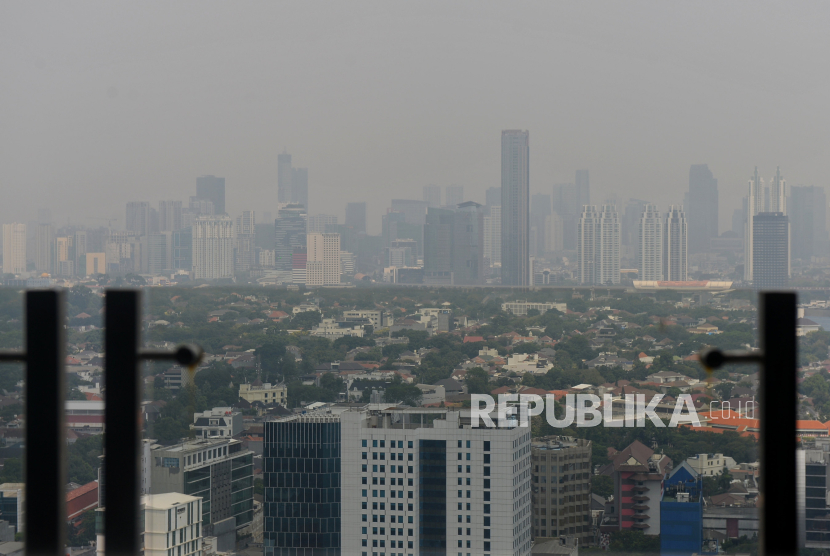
<point x="709" y="465"/>
<point x="172" y="524"/>
<point x="85" y="416"/>
<point x="377" y="318"/>
<point x="522" y="307"/>
<point x="219" y="421"/>
<point x="266" y="393"/>
<point x="332" y="329"/>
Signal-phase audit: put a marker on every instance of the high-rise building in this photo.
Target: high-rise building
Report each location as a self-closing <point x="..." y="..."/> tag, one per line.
<point x="515" y="208"/>
<point x="172" y="525"/>
<point x="219" y="471"/>
<point x="356" y="217"/>
<point x="808" y="208"/>
<point x="454" y="195"/>
<point x="639" y="476"/>
<point x="160" y="253"/>
<point x="554" y="233"/>
<point x="650" y="244"/>
<point x="770" y="250"/>
<point x="561" y="471"/>
<point x="14" y="248"/>
<point x="492" y="235"/>
<point x="761" y="201"/>
<point x="492" y="197"/>
<point x="212" y="189"/>
<point x="245" y="239"/>
<point x="170" y="216"/>
<point x="630" y="223"/>
<point x="777" y="193"/>
<point x="702" y="208"/>
<point x="539" y="212"/>
<point x="323" y="259"/>
<point x="183" y="249"/>
<point x="284" y="175"/>
<point x="598" y="245"/>
<point x="568" y="200"/>
<point x="414" y="218"/>
<point x="138" y="217"/>
<point x="213" y="247"/>
<point x="45" y="248"/>
<point x="290" y="232"/>
<point x="675" y="254"/>
<point x="198" y="207"/>
<point x="299" y="186"/>
<point x="582" y="182"/>
<point x="432" y="195"/>
<point x="454" y="245"/>
<point x="322" y="224"/>
<point x="755" y="205"/>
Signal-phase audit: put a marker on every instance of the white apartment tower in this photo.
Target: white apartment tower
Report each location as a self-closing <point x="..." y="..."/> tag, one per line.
<point x="762" y="199"/>
<point x="14" y="248"/>
<point x="323" y="262"/>
<point x="213" y="247"/>
<point x="675" y="256"/>
<point x="172" y="525"/>
<point x="586" y="242"/>
<point x="418" y="481"/>
<point x="650" y="244"/>
<point x="608" y="246"/>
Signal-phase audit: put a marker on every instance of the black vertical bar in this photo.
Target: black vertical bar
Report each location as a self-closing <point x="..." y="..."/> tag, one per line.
<point x="122" y="434"/>
<point x="779" y="521"/>
<point x="45" y="474"/>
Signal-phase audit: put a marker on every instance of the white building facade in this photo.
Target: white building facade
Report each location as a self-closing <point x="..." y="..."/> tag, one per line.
<point x="323" y="262"/>
<point x="650" y="244"/>
<point x="14" y="248"/>
<point x="172" y="525"/>
<point x="675" y="254"/>
<point x="213" y="247"/>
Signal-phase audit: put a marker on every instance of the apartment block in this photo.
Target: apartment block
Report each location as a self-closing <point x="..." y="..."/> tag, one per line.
<point x="265" y="393"/>
<point x="219" y="421"/>
<point x="172" y="525"/>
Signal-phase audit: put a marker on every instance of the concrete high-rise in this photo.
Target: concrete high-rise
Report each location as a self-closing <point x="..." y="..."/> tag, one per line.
<point x="515" y="208"/>
<point x="290" y="233"/>
<point x="650" y="244"/>
<point x="213" y="248"/>
<point x="539" y="213"/>
<point x="755" y="206"/>
<point x="598" y="245"/>
<point x="213" y="189"/>
<point x="492" y="197"/>
<point x="356" y="217"/>
<point x="675" y="254"/>
<point x="492" y="236"/>
<point x="770" y="250"/>
<point x="245" y="238"/>
<point x="432" y="195"/>
<point x="702" y="208"/>
<point x="454" y="195"/>
<point x="45" y="248"/>
<point x="567" y="201"/>
<point x="454" y="245"/>
<point x="777" y="193"/>
<point x="284" y="176"/>
<point x="322" y="224"/>
<point x="299" y="186"/>
<point x="14" y="248"/>
<point x="586" y="244"/>
<point x="138" y="217"/>
<point x="323" y="259"/>
<point x="807" y="207"/>
<point x="170" y="216"/>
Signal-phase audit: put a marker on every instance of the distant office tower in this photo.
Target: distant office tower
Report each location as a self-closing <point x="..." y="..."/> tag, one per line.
<point x="582" y="182"/>
<point x="45" y="248"/>
<point x="183" y="249"/>
<point x="539" y="213"/>
<point x="778" y="193"/>
<point x="764" y="200"/>
<point x="432" y="195"/>
<point x="488" y="492"/>
<point x="568" y="200"/>
<point x="347" y="262"/>
<point x="515" y="208"/>
<point x="454" y="195"/>
<point x="414" y="218"/>
<point x="138" y="217"/>
<point x="14" y="248"/>
<point x="492" y="235"/>
<point x="213" y="244"/>
<point x="492" y="197"/>
<point x="702" y="208"/>
<point x="808" y="225"/>
<point x="322" y="224"/>
<point x="738" y="216"/>
<point x="245" y="239"/>
<point x="212" y="189"/>
<point x="650" y="244"/>
<point x="299" y="186"/>
<point x="82" y="246"/>
<point x="64" y="256"/>
<point x="675" y="254"/>
<point x="160" y="253"/>
<point x="770" y="257"/>
<point x="755" y="206"/>
<point x="199" y="207"/>
<point x="356" y="217"/>
<point x="96" y="263"/>
<point x="292" y="183"/>
<point x="630" y="222"/>
<point x="290" y="232"/>
<point x="454" y="245"/>
<point x="170" y="216"/>
<point x="554" y="233"/>
<point x="323" y="262"/>
<point x="598" y="245"/>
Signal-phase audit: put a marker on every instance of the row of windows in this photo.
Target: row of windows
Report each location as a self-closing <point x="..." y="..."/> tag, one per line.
<point x="409" y="444"/>
<point x="382" y="468"/>
<point x="382" y="494"/>
<point x="392" y="518"/>
<point x="382" y="542"/>
<point x="365" y="455"/>
<point x="382" y="507"/>
<point x="382" y="531"/>
<point x="365" y="481"/>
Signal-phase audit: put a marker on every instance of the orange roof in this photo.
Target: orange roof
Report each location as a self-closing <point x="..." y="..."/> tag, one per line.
<point x="642" y="354"/>
<point x="80" y="491"/>
<point x="558" y="394"/>
<point x="810" y="425"/>
<point x="90" y="397"/>
<point x="468" y="339"/>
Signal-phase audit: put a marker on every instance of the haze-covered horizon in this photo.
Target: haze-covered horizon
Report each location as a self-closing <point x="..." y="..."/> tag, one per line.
<point x="107" y="103"/>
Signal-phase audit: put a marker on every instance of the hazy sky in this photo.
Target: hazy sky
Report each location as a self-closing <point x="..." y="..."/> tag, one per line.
<point x="108" y="102"/>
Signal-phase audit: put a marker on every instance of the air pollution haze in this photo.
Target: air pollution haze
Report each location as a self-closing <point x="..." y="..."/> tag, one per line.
<point x="103" y="103"/>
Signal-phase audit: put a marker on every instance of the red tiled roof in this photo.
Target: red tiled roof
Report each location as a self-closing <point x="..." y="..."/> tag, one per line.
<point x="81" y="490"/>
<point x="468" y="339"/>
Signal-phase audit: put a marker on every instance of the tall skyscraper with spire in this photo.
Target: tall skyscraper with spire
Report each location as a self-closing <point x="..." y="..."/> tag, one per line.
<point x="771" y="202"/>
<point x="515" y="208"/>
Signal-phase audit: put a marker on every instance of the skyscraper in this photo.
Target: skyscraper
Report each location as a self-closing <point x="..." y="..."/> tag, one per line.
<point x="808" y="208"/>
<point x="290" y="232"/>
<point x="755" y="206"/>
<point x="515" y="209"/>
<point x="45" y="248"/>
<point x="454" y="245"/>
<point x="213" y="189"/>
<point x="284" y="178"/>
<point x="299" y="186"/>
<point x="432" y="195"/>
<point x="598" y="245"/>
<point x="245" y="239"/>
<point x="702" y="208"/>
<point x="582" y="182"/>
<point x="650" y="244"/>
<point x="415" y="214"/>
<point x="454" y="195"/>
<point x="213" y="247"/>
<point x="170" y="216"/>
<point x="762" y="200"/>
<point x="675" y="255"/>
<point x="138" y="217"/>
<point x="567" y="201"/>
<point x="14" y="248"/>
<point x="323" y="259"/>
<point x="539" y="213"/>
<point x="777" y="193"/>
<point x="492" y="197"/>
<point x="770" y="257"/>
<point x="492" y="236"/>
<point x="356" y="217"/>
<point x="322" y="224"/>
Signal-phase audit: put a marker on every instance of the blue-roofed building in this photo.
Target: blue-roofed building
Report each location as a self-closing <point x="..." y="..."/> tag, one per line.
<point x="681" y="513"/>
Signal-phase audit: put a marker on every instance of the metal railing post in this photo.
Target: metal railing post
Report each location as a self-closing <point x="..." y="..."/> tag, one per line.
<point x="45" y="456"/>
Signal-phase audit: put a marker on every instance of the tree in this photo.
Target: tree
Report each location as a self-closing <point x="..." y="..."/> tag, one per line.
<point x="403" y="392"/>
<point x="602" y="485"/>
<point x="478" y="381"/>
<point x="306" y="320"/>
<point x="12" y="471"/>
<point x="628" y="541"/>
